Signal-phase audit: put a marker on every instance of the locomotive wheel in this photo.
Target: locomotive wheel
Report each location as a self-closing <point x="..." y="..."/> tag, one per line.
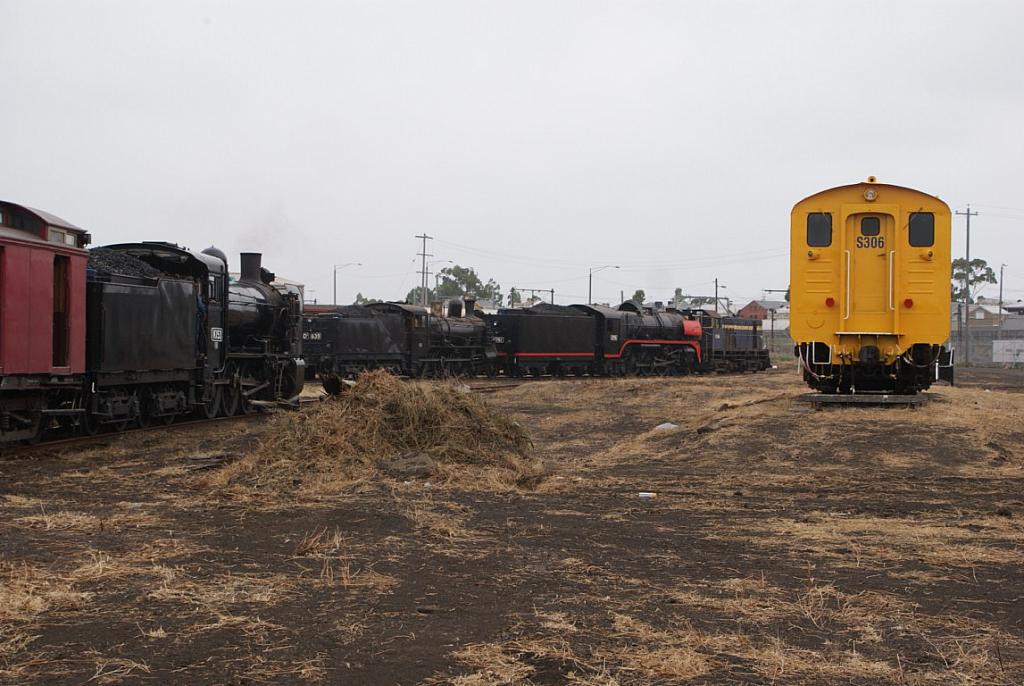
<point x="231" y="398"/>
<point x="212" y="408"/>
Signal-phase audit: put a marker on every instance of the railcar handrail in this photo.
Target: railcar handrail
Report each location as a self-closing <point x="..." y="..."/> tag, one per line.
<point x="847" y="316"/>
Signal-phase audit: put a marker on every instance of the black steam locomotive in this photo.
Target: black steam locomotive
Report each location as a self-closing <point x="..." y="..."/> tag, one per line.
<point x="540" y="340"/>
<point x="340" y="342"/>
<point x="169" y="334"/>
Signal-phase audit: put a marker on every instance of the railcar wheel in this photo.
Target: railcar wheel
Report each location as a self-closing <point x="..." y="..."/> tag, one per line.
<point x="37" y="429"/>
<point x="144" y="404"/>
<point x="88" y="425"/>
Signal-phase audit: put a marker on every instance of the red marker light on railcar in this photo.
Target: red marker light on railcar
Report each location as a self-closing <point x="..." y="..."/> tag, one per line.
<point x="908" y="303"/>
<point x="830" y="301"/>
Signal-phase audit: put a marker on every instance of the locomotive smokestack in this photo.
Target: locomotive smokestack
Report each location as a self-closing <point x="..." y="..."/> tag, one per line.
<point x="470" y="305"/>
<point x="250" y="266"/>
<point x="455" y="309"/>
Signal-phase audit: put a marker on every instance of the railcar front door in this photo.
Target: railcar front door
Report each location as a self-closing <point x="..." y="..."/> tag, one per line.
<point x="869" y="262"/>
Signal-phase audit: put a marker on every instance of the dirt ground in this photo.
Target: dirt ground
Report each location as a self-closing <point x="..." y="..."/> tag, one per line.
<point x="784" y="545"/>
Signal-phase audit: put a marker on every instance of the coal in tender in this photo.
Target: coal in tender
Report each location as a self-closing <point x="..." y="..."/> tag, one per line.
<point x="107" y="262"/>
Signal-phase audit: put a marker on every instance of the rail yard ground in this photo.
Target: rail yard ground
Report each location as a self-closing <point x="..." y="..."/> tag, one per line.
<point x="784" y="546"/>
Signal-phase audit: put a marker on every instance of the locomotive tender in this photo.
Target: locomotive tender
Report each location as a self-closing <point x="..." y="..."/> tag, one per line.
<point x="870" y="303"/>
<point x="145" y="332"/>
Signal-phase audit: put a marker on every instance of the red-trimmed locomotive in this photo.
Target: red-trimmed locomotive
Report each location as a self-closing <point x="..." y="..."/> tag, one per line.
<point x="133" y="333"/>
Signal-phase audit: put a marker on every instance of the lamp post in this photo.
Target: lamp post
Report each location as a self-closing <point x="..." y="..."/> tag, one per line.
<point x="717" y="286"/>
<point x="590" y="280"/>
<point x="1001" y="268"/>
<point x="336" y="268"/>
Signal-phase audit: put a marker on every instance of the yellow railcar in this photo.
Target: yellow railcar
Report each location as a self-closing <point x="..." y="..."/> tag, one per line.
<point x="869" y="287"/>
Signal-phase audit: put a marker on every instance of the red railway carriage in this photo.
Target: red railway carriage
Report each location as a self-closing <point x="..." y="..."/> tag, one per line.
<point x="42" y="314"/>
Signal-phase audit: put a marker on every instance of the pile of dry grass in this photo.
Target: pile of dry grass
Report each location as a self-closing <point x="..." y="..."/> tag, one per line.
<point x="448" y="432"/>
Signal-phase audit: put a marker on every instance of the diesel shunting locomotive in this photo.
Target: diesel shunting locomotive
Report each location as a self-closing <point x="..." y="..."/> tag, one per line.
<point x="870" y="304"/>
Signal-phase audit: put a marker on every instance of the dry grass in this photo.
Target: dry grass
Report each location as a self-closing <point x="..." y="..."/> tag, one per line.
<point x="344" y="440"/>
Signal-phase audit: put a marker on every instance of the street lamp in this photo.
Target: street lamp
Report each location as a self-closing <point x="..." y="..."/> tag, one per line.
<point x="336" y="268"/>
<point x="717" y="286"/>
<point x="590" y="280"/>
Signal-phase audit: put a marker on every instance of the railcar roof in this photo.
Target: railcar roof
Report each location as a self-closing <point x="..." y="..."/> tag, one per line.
<point x="45" y="217"/>
<point x="867" y="184"/>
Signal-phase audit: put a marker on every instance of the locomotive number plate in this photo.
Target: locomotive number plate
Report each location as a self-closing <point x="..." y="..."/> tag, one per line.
<point x="870" y="241"/>
<point x="216" y="334"/>
<point x="311" y="335"/>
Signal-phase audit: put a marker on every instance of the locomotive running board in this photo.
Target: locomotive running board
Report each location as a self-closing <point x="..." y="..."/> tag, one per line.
<point x="818" y="400"/>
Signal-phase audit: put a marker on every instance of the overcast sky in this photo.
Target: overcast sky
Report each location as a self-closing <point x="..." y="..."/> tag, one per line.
<point x="531" y="139"/>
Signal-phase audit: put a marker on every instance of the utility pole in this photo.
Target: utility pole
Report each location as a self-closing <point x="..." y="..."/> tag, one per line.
<point x="1001" y="268"/>
<point x="590" y="280"/>
<point x="336" y="268"/>
<point x="423" y="271"/>
<point x="534" y="291"/>
<point x="716" y="294"/>
<point x="967" y="287"/>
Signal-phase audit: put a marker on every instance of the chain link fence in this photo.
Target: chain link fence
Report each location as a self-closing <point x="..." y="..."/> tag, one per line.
<point x="990" y="346"/>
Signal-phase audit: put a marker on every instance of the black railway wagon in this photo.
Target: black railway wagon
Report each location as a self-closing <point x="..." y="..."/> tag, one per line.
<point x="543" y="339"/>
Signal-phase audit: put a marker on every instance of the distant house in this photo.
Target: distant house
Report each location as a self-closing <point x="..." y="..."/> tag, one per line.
<point x="762" y="309"/>
<point x="981" y="315"/>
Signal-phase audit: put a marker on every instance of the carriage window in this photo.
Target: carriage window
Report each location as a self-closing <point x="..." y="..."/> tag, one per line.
<point x="819" y="229"/>
<point x="922" y="229"/>
<point x="870" y="226"/>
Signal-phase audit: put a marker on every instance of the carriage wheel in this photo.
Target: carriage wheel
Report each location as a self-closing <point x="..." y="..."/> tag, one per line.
<point x="87" y="424"/>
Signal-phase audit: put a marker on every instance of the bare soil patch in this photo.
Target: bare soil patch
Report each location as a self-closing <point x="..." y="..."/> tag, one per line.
<point x="783" y="546"/>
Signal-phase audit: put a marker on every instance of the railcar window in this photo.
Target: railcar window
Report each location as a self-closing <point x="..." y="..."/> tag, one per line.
<point x="870" y="226"/>
<point x="922" y="229"/>
<point x="819" y="229"/>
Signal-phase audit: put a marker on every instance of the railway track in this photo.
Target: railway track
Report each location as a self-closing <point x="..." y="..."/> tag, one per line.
<point x="62" y="441"/>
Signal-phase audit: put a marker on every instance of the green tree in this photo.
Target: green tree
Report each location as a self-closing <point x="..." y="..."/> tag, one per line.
<point x="363" y="300"/>
<point x="969" y="278"/>
<point x="639" y="296"/>
<point x="457" y="282"/>
<point x="415" y="296"/>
